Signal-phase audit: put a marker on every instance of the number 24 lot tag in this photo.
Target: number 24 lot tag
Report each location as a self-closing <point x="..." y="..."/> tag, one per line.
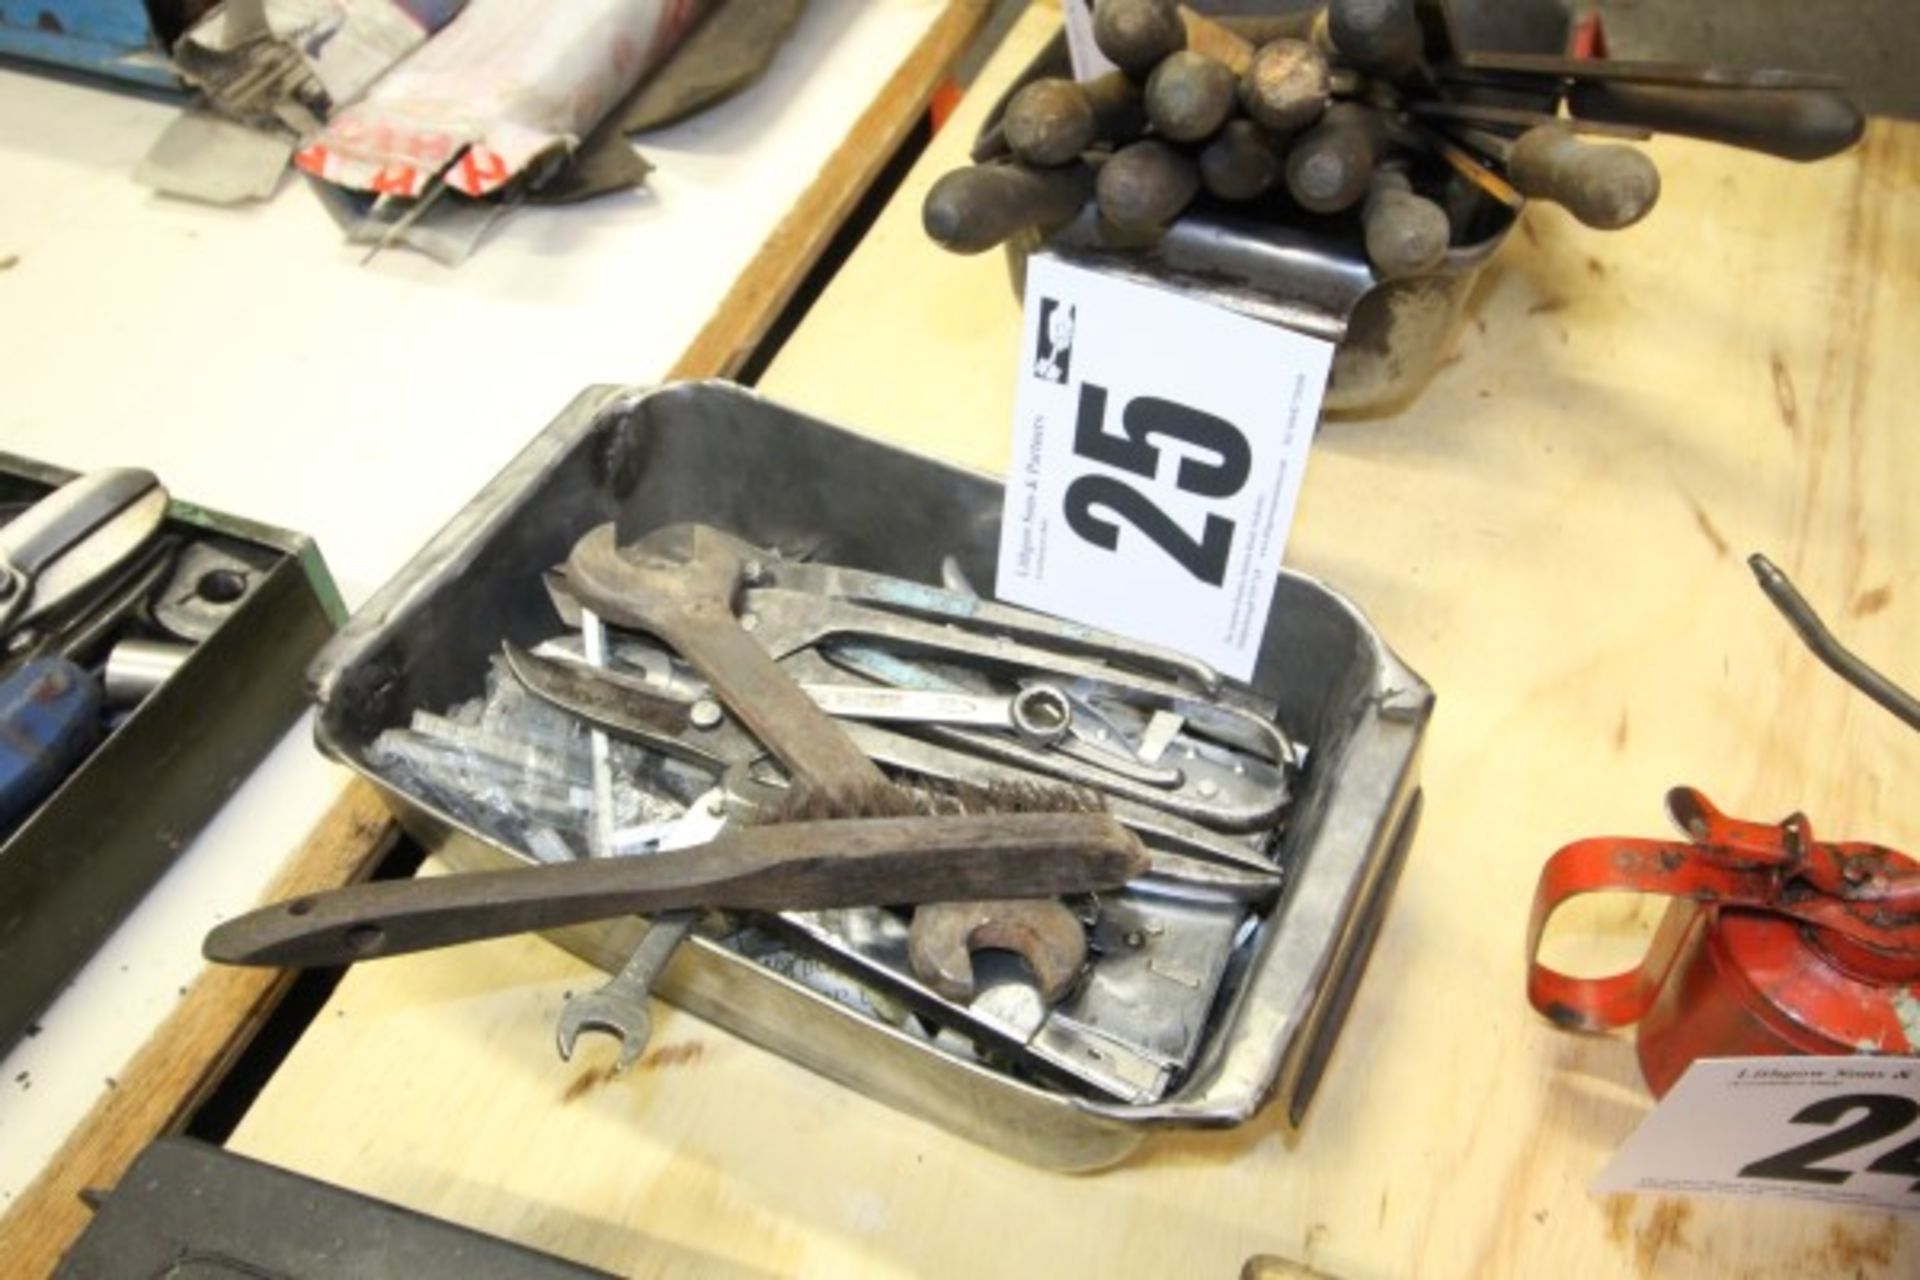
<point x="1158" y="447"/>
<point x="1842" y="1131"/>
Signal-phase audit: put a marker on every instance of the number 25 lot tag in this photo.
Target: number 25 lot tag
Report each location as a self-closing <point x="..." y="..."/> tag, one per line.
<point x="1158" y="447"/>
<point x="1840" y="1131"/>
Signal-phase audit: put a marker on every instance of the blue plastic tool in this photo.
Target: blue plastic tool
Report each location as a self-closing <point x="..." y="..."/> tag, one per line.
<point x="49" y="717"/>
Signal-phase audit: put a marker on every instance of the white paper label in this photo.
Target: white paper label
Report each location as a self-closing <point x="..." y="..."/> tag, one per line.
<point x="1840" y="1131"/>
<point x="1088" y="61"/>
<point x="1158" y="448"/>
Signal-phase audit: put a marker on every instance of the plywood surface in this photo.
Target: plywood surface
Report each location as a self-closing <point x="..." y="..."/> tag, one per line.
<point x="1553" y="537"/>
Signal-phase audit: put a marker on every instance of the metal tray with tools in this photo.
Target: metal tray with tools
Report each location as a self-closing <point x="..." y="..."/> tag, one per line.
<point x="717" y="454"/>
<point x="257" y="602"/>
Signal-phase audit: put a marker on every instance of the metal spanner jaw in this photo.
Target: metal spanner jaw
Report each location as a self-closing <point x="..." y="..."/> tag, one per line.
<point x="619" y="1008"/>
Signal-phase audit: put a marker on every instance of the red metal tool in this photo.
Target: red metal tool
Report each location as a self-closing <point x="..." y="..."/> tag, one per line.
<point x="1775" y="943"/>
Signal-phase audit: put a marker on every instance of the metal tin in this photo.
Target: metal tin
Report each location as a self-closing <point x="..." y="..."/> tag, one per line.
<point x="72" y="871"/>
<point x="716" y="453"/>
<point x="1305" y="273"/>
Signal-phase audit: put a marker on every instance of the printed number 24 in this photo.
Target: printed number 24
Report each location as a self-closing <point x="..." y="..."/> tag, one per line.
<point x="1886" y="1115"/>
<point x="1092" y="501"/>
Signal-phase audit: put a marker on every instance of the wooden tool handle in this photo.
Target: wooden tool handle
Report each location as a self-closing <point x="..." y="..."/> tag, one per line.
<point x="1607" y="186"/>
<point x="1407" y="234"/>
<point x="803" y="866"/>
<point x="1119" y="115"/>
<point x="1049" y="122"/>
<point x="1794" y="124"/>
<point x="1146" y="185"/>
<point x="1136" y="34"/>
<point x="1286" y="86"/>
<point x="1241" y="162"/>
<point x="1189" y="96"/>
<point x="972" y="210"/>
<point x="1330" y="166"/>
<point x="1380" y="37"/>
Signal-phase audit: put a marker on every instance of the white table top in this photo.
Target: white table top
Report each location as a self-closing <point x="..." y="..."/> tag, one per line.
<point x="249" y="358"/>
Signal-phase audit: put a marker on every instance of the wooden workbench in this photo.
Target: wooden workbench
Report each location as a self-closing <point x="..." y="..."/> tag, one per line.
<point x="1553" y="537"/>
<point x="112" y="297"/>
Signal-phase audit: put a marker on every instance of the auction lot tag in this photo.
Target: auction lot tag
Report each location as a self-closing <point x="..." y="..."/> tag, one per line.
<point x="1158" y="447"/>
<point x="1841" y="1131"/>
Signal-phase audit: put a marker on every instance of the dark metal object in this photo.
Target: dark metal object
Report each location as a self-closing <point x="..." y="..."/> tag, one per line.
<point x="207" y="584"/>
<point x="185" y="1210"/>
<point x="1609" y="70"/>
<point x="1406" y="233"/>
<point x="1514" y="118"/>
<point x="1189" y="96"/>
<point x="137" y="668"/>
<point x="944" y="936"/>
<point x="82" y="860"/>
<point x="715" y="453"/>
<point x="619" y="1007"/>
<point x="1793" y="124"/>
<point x="1329" y="167"/>
<point x="1136" y="35"/>
<point x="1188" y="852"/>
<point x="1826" y="647"/>
<point x="1146" y="185"/>
<point x="1381" y="37"/>
<point x="1286" y="86"/>
<point x="1241" y="162"/>
<point x="679" y="584"/>
<point x="797" y="866"/>
<point x="972" y="210"/>
<point x="1050" y="122"/>
<point x="598" y="696"/>
<point x="1604" y="185"/>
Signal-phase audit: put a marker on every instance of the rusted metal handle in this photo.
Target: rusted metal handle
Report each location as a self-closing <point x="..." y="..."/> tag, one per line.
<point x="798" y="866"/>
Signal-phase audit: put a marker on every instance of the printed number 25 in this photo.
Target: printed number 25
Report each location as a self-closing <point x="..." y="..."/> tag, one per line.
<point x="1886" y="1114"/>
<point x="1133" y="450"/>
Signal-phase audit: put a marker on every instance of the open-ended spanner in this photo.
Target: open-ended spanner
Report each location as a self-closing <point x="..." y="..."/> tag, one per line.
<point x="618" y="1007"/>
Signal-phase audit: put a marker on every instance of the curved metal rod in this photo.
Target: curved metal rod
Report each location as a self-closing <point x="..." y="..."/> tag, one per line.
<point x="1789" y="601"/>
